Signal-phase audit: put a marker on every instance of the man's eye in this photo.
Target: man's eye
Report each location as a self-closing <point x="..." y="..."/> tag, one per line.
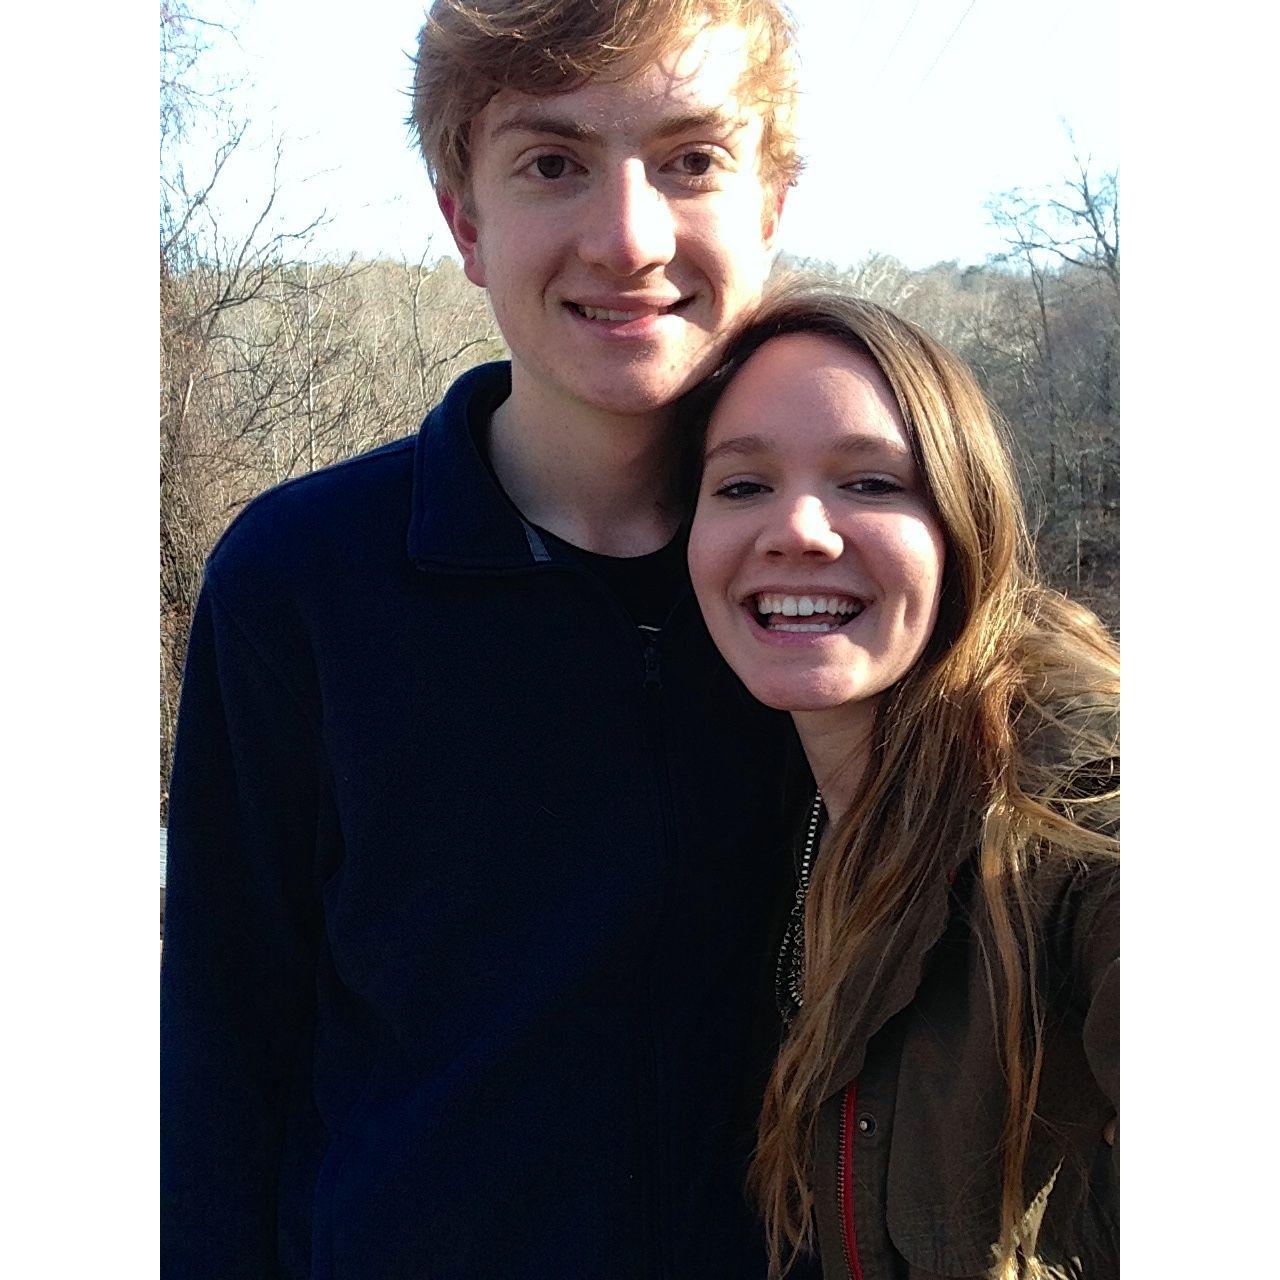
<point x="695" y="163"/>
<point x="740" y="489"/>
<point x="551" y="166"/>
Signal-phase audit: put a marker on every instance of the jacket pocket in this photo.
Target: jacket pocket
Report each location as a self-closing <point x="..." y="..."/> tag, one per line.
<point x="958" y="1240"/>
<point x="947" y="1224"/>
<point x="945" y="1177"/>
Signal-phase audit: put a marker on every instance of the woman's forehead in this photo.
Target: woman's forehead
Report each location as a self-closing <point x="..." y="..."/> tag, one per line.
<point x="801" y="386"/>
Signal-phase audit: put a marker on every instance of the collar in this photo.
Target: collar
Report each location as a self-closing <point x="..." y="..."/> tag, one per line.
<point x="461" y="518"/>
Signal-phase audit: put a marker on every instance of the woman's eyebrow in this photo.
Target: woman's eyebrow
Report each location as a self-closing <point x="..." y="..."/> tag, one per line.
<point x="857" y="443"/>
<point x="737" y="446"/>
<point x="868" y="443"/>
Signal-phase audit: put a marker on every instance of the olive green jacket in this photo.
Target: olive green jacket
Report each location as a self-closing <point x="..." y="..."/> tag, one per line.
<point x="908" y="1176"/>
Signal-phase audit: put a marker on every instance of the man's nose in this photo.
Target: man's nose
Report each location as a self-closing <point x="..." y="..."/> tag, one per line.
<point x="631" y="226"/>
<point x="801" y="527"/>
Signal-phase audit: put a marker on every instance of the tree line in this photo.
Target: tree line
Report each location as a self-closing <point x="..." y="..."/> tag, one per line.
<point x="1040" y="325"/>
<point x="273" y="364"/>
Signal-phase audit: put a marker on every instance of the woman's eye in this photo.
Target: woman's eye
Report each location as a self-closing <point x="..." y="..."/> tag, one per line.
<point x="874" y="485"/>
<point x="740" y="489"/>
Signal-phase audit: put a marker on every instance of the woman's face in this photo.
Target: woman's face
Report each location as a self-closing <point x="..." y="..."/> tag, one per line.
<point x="815" y="553"/>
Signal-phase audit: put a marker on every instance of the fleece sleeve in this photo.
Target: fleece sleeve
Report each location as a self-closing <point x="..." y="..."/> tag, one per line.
<point x="1098" y="971"/>
<point x="238" y="966"/>
<point x="1097" y="974"/>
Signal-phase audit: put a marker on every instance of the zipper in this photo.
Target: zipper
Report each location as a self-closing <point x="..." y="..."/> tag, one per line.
<point x="659" y="1206"/>
<point x="652" y="657"/>
<point x="664" y="1264"/>
<point x="844" y="1183"/>
<point x="652" y="638"/>
<point x="788" y="975"/>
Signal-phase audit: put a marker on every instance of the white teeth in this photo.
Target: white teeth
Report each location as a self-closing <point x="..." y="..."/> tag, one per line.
<point x="806" y="606"/>
<point x="601" y="313"/>
<point x="803" y="626"/>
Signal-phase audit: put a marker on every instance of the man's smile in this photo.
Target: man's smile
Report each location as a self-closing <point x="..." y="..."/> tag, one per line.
<point x="621" y="312"/>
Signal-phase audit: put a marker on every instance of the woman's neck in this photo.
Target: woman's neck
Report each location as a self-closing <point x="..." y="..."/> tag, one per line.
<point x="837" y="745"/>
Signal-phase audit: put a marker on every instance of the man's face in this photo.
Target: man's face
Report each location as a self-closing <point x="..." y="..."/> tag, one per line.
<point x="620" y="229"/>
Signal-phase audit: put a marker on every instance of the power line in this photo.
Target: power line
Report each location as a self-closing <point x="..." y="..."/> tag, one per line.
<point x="862" y="21"/>
<point x="946" y="44"/>
<point x="897" y="41"/>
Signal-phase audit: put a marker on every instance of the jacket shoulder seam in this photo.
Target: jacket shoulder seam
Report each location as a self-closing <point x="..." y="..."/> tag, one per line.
<point x="260" y="652"/>
<point x="269" y="496"/>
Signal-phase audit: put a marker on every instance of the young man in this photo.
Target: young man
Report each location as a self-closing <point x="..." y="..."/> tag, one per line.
<point x="475" y="845"/>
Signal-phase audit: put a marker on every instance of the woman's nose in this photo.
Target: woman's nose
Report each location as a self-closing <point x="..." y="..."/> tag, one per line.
<point x="801" y="528"/>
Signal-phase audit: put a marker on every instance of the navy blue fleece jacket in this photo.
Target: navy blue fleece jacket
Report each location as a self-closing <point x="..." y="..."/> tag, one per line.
<point x="471" y="894"/>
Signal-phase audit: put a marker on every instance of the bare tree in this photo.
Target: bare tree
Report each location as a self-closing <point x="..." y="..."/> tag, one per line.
<point x="1064" y="245"/>
<point x="1039" y="324"/>
<point x="1077" y="223"/>
<point x="272" y="363"/>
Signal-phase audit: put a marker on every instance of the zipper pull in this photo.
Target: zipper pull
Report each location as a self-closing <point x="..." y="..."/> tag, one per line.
<point x="652" y="674"/>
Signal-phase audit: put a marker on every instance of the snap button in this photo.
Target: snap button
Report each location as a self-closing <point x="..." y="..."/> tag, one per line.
<point x="866" y="1124"/>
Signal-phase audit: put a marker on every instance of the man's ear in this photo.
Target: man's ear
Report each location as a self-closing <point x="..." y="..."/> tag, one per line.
<point x="773" y="203"/>
<point x="466" y="234"/>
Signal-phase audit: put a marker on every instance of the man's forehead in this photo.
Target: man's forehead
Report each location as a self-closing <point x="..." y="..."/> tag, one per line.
<point x="710" y="60"/>
<point x="567" y="116"/>
<point x="694" y="87"/>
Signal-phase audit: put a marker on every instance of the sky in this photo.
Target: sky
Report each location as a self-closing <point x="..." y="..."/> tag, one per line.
<point x="913" y="114"/>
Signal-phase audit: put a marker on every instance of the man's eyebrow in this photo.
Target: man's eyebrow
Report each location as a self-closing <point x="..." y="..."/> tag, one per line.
<point x="534" y="120"/>
<point x="711" y="120"/>
<point x="542" y="120"/>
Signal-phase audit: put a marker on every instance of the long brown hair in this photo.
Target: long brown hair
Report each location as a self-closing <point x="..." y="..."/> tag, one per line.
<point x="1002" y="740"/>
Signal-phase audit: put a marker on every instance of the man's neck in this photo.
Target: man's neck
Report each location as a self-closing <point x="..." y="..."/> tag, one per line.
<point x="605" y="483"/>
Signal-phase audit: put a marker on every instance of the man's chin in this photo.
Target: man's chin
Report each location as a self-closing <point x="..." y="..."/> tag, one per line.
<point x="635" y="394"/>
<point x="640" y="401"/>
<point x="635" y="388"/>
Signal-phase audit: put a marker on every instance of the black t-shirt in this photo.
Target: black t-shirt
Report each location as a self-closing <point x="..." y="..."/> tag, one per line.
<point x="647" y="586"/>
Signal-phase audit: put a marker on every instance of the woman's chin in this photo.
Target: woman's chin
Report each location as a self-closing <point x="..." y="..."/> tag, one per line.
<point x="800" y="698"/>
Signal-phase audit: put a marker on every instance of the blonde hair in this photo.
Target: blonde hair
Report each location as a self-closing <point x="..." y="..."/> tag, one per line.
<point x="1002" y="739"/>
<point x="469" y="50"/>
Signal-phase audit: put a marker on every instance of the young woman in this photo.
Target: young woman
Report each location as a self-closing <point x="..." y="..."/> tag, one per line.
<point x="945" y="1098"/>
